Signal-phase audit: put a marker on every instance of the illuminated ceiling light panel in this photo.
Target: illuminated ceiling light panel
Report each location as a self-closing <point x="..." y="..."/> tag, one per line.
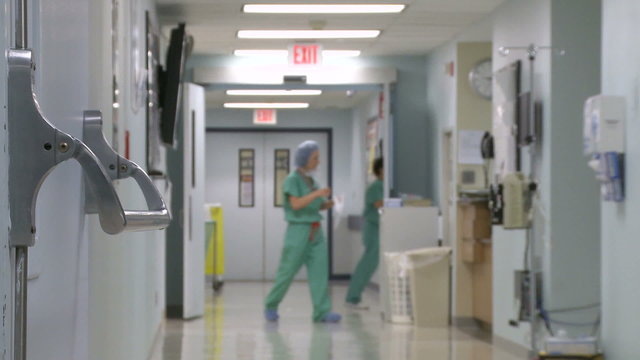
<point x="340" y="53"/>
<point x="249" y="52"/>
<point x="266" y="92"/>
<point x="308" y="34"/>
<point x="285" y="53"/>
<point x="266" y="105"/>
<point x="323" y="8"/>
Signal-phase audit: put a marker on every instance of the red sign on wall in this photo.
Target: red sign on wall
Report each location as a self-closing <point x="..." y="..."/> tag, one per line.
<point x="305" y="54"/>
<point x="265" y="117"/>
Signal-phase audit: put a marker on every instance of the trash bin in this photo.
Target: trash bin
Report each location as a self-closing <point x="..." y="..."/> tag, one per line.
<point x="430" y="286"/>
<point x="214" y="245"/>
<point x="419" y="286"/>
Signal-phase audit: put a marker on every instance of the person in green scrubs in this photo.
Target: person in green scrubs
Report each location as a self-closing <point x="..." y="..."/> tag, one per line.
<point x="304" y="241"/>
<point x="370" y="237"/>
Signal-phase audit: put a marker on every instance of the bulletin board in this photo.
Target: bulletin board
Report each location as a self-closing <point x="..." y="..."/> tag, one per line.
<point x="246" y="196"/>
<point x="280" y="173"/>
<point x="373" y="143"/>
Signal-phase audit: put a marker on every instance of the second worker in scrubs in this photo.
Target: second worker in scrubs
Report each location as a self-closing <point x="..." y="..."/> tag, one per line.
<point x="370" y="238"/>
<point x="304" y="241"/>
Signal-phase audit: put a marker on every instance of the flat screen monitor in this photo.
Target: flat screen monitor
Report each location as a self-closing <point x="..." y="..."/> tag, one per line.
<point x="524" y="134"/>
<point x="171" y="85"/>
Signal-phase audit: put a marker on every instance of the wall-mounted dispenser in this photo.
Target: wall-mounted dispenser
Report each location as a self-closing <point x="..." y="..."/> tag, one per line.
<point x="604" y="142"/>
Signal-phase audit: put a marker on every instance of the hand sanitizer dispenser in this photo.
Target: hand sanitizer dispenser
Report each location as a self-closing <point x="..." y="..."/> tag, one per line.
<point x="604" y="142"/>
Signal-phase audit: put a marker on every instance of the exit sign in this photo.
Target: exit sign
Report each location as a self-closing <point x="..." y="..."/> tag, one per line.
<point x="265" y="117"/>
<point x="305" y="54"/>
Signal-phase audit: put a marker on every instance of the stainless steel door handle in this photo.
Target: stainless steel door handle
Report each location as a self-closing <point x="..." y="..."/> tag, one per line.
<point x="156" y="217"/>
<point x="109" y="209"/>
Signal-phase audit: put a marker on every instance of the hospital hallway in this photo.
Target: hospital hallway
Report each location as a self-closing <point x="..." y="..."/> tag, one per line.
<point x="233" y="328"/>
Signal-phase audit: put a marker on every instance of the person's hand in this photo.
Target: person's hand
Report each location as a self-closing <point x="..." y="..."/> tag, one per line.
<point x="328" y="204"/>
<point x="324" y="192"/>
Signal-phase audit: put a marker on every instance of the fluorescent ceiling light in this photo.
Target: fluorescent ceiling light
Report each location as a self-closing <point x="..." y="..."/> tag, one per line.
<point x="341" y="53"/>
<point x="323" y="8"/>
<point x="266" y="92"/>
<point x="285" y="53"/>
<point x="249" y="52"/>
<point x="308" y="34"/>
<point x="266" y="105"/>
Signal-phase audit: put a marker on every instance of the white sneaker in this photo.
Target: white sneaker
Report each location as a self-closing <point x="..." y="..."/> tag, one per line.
<point x="358" y="306"/>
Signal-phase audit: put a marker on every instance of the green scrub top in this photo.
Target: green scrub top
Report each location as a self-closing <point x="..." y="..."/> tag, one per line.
<point x="374" y="193"/>
<point x="295" y="185"/>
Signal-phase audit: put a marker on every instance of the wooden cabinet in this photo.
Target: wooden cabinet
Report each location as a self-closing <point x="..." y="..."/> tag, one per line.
<point x="476" y="253"/>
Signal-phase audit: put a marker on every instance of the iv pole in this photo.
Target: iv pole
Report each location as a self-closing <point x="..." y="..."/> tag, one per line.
<point x="532" y="51"/>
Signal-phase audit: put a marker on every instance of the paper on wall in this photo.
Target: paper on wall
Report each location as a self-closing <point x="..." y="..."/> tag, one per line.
<point x="469" y="147"/>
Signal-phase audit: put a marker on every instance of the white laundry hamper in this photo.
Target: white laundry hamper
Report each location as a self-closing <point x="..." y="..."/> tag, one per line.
<point x="399" y="288"/>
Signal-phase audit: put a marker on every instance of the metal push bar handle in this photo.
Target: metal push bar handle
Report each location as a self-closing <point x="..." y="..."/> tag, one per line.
<point x="157" y="217"/>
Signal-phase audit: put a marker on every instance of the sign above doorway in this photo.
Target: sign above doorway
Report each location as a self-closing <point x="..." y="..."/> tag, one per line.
<point x="265" y="117"/>
<point x="305" y="54"/>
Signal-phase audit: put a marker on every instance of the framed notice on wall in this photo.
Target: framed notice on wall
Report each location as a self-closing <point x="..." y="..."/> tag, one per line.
<point x="373" y="141"/>
<point x="246" y="177"/>
<point x="281" y="171"/>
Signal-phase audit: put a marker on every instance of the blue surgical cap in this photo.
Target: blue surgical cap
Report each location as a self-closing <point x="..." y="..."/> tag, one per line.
<point x="304" y="151"/>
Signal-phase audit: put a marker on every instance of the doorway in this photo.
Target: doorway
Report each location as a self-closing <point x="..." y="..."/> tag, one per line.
<point x="244" y="170"/>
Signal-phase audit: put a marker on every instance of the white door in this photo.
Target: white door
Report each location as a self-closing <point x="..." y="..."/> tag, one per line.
<point x="193" y="179"/>
<point x="254" y="235"/>
<point x="243" y="226"/>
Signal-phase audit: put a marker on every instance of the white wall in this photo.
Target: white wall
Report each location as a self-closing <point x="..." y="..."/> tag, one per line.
<point x="126" y="295"/>
<point x="621" y="222"/>
<point x="519" y="23"/>
<point x="341" y="123"/>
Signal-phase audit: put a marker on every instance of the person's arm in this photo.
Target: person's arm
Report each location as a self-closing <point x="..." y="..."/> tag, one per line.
<point x="378" y="204"/>
<point x="302" y="202"/>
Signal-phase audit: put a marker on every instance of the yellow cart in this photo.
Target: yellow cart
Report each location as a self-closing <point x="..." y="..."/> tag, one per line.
<point x="214" y="246"/>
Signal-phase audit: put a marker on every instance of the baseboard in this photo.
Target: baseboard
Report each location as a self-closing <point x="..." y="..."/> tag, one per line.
<point x="510" y="347"/>
<point x="340" y="277"/>
<point x="463" y="321"/>
<point x="175" y="311"/>
<point x="158" y="337"/>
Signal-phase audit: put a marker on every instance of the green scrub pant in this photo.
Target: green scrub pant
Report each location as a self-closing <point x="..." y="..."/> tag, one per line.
<point x="368" y="262"/>
<point x="298" y="250"/>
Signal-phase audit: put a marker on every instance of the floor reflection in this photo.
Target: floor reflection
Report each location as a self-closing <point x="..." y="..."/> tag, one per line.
<point x="233" y="329"/>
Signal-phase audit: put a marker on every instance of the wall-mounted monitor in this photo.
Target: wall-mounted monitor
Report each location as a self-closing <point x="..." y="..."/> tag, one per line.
<point x="506" y="106"/>
<point x="171" y="84"/>
<point x="524" y="133"/>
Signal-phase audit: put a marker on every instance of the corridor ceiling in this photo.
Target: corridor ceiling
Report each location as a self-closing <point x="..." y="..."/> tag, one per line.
<point x="423" y="25"/>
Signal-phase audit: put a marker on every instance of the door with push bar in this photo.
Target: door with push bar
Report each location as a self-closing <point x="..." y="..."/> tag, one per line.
<point x="36" y="146"/>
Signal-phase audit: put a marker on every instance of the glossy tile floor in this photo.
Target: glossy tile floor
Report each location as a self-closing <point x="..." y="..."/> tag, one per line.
<point x="233" y="328"/>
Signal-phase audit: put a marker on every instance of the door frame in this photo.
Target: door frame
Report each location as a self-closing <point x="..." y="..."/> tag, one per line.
<point x="329" y="133"/>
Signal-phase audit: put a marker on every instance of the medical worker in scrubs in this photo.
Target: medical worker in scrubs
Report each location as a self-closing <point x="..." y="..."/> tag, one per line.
<point x="304" y="242"/>
<point x="371" y="240"/>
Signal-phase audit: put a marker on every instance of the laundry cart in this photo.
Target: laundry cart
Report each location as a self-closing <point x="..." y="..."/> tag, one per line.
<point x="214" y="245"/>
